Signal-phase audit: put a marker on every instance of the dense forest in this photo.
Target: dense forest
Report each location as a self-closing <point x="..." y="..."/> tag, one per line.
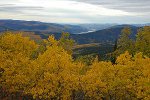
<point x="47" y="70"/>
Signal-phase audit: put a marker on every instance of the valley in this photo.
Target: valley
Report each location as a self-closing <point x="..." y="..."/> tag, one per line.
<point x="99" y="41"/>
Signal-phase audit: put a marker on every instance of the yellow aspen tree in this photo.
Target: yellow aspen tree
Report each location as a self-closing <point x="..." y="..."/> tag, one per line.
<point x="56" y="74"/>
<point x="143" y="41"/>
<point x="15" y="53"/>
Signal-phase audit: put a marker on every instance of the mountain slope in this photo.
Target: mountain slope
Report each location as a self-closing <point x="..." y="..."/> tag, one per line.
<point x="39" y="26"/>
<point x="103" y="36"/>
<point x="108" y="35"/>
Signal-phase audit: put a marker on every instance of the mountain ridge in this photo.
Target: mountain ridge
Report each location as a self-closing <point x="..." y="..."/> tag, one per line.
<point x="40" y="26"/>
<point x="108" y="35"/>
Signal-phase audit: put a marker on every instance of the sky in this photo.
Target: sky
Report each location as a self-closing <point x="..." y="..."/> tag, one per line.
<point x="77" y="11"/>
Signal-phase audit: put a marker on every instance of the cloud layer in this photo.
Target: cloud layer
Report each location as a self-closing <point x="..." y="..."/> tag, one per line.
<point x="138" y="6"/>
<point x="77" y="11"/>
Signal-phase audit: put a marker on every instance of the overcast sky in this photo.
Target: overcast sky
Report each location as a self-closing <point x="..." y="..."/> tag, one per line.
<point x="77" y="11"/>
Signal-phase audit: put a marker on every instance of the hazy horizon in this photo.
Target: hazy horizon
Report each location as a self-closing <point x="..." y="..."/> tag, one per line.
<point x="76" y="23"/>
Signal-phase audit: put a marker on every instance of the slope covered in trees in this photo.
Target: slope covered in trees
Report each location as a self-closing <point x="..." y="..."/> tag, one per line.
<point x="100" y="35"/>
<point x="36" y="26"/>
<point x="47" y="71"/>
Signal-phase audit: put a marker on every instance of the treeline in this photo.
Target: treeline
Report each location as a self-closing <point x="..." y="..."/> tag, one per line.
<point x="47" y="71"/>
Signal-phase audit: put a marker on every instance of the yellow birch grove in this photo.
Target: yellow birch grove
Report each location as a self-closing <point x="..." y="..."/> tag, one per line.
<point x="54" y="75"/>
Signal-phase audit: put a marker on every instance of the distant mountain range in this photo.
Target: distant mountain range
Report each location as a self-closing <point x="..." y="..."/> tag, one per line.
<point x="106" y="33"/>
<point x="95" y="27"/>
<point x="36" y="26"/>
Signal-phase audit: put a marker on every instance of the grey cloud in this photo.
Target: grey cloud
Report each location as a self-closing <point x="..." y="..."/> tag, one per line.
<point x="137" y="6"/>
<point x="11" y="8"/>
<point x="3" y="5"/>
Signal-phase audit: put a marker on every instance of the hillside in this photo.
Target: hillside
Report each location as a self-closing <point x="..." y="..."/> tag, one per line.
<point x="108" y="35"/>
<point x="36" y="26"/>
<point x="102" y="36"/>
<point x="87" y="43"/>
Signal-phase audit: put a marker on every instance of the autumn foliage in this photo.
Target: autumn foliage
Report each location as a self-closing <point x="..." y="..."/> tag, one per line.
<point x="27" y="71"/>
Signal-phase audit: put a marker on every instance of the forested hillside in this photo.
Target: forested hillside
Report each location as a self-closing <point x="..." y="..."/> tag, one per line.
<point x="47" y="70"/>
<point x="40" y="27"/>
<point x="101" y="35"/>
